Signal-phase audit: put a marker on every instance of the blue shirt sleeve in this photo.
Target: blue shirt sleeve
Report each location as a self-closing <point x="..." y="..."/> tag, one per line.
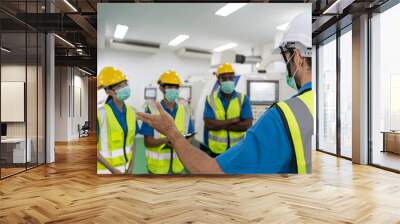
<point x="265" y="149"/>
<point x="208" y="112"/>
<point x="246" y="112"/>
<point x="191" y="126"/>
<point x="137" y="130"/>
<point x="146" y="130"/>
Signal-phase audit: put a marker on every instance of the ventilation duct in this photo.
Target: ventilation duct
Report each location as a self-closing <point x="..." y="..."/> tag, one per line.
<point x="140" y="46"/>
<point x="193" y="53"/>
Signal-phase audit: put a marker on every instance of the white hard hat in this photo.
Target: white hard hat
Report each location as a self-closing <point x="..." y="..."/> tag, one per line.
<point x="298" y="35"/>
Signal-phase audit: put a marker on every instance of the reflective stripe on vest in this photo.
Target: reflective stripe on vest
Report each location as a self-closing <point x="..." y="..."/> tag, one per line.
<point x="298" y="116"/>
<point x="111" y="140"/>
<point x="220" y="140"/>
<point x="159" y="158"/>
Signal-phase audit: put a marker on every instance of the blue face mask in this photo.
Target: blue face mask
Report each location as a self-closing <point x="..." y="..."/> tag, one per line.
<point x="123" y="93"/>
<point x="171" y="94"/>
<point x="228" y="87"/>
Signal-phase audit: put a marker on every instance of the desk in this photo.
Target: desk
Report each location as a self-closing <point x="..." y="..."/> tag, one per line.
<point x="13" y="150"/>
<point x="391" y="141"/>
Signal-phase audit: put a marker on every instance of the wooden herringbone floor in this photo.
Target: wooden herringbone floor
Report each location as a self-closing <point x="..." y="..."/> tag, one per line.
<point x="69" y="191"/>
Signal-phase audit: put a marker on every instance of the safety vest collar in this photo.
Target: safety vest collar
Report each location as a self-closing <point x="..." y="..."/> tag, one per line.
<point x="216" y="103"/>
<point x="234" y="94"/>
<point x="182" y="113"/>
<point x="114" y="107"/>
<point x="164" y="105"/>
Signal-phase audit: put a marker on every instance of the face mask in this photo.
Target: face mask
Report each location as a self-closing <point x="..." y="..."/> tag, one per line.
<point x="291" y="82"/>
<point x="123" y="93"/>
<point x="171" y="94"/>
<point x="228" y="87"/>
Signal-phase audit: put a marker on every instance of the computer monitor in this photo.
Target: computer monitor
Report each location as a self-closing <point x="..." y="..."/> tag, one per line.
<point x="3" y="129"/>
<point x="263" y="92"/>
<point x="150" y="93"/>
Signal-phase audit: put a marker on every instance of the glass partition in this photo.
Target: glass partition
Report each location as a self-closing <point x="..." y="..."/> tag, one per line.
<point x="41" y="98"/>
<point x="346" y="94"/>
<point x="31" y="99"/>
<point x="327" y="96"/>
<point x="22" y="67"/>
<point x="385" y="90"/>
<point x="13" y="95"/>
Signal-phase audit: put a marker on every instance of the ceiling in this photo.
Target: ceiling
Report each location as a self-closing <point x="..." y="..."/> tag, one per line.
<point x="253" y="25"/>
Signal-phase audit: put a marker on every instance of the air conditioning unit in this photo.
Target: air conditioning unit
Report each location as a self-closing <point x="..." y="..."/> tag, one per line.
<point x="133" y="45"/>
<point x="193" y="53"/>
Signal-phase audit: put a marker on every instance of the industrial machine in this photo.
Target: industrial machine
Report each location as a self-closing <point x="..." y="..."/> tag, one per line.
<point x="150" y="95"/>
<point x="262" y="95"/>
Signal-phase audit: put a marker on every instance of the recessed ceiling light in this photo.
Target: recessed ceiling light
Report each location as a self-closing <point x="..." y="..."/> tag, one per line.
<point x="64" y="40"/>
<point x="229" y="8"/>
<point x="5" y="50"/>
<point x="70" y="5"/>
<point x="282" y="27"/>
<point x="225" y="47"/>
<point x="120" y="31"/>
<point x="179" y="39"/>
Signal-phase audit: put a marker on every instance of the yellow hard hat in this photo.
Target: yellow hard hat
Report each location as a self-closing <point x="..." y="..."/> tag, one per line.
<point x="169" y="77"/>
<point x="225" y="68"/>
<point x="110" y="76"/>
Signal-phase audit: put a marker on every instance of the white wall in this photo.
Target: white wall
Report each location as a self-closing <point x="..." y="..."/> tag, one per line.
<point x="61" y="103"/>
<point x="145" y="68"/>
<point x="17" y="73"/>
<point x="67" y="114"/>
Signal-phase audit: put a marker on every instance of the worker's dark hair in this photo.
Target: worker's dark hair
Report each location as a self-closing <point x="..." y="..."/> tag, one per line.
<point x="114" y="85"/>
<point x="168" y="84"/>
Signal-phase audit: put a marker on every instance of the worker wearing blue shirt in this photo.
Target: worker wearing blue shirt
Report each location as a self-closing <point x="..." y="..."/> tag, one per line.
<point x="161" y="157"/>
<point x="267" y="143"/>
<point x="280" y="141"/>
<point x="227" y="114"/>
<point x="116" y="125"/>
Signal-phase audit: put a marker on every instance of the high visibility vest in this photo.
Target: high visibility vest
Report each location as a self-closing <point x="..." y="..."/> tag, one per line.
<point x="298" y="116"/>
<point x="112" y="143"/>
<point x="162" y="159"/>
<point x="220" y="140"/>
